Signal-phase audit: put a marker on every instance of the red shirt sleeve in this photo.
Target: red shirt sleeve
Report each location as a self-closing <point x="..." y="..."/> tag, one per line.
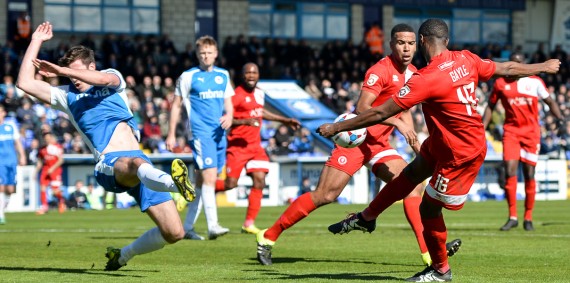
<point x="485" y="67"/>
<point x="374" y="80"/>
<point x="413" y="92"/>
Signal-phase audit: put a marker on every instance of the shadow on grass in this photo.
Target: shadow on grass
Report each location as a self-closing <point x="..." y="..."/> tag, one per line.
<point x="553" y="223"/>
<point x="331" y="276"/>
<point x="281" y="260"/>
<point x="113" y="238"/>
<point x="73" y="271"/>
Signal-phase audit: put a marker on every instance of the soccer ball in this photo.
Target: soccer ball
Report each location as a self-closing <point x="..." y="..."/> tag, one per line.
<point x="351" y="138"/>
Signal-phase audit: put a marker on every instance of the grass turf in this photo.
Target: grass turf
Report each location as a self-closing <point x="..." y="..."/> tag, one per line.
<point x="70" y="248"/>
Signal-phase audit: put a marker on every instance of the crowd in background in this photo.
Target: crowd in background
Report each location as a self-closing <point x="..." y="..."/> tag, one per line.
<point x="331" y="74"/>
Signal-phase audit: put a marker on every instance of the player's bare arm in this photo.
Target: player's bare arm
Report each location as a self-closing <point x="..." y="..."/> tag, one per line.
<point x="227" y="119"/>
<point x="364" y="103"/>
<point x="406" y="128"/>
<point x="173" y="121"/>
<point x="367" y="118"/>
<point x="290" y="122"/>
<point x="514" y="69"/>
<point x="26" y="76"/>
<point x="487" y="114"/>
<point x="89" y="76"/>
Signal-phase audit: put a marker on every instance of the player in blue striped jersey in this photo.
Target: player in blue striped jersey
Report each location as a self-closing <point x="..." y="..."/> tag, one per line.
<point x="206" y="92"/>
<point x="96" y="103"/>
<point x="13" y="155"/>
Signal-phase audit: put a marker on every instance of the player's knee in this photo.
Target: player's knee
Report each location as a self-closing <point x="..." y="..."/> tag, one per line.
<point x="173" y="236"/>
<point x="231" y="183"/>
<point x="321" y="197"/>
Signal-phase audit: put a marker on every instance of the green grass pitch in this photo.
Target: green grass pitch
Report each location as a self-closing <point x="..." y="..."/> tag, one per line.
<point x="70" y="248"/>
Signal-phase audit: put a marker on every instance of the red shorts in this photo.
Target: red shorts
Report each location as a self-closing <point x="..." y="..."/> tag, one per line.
<point x="254" y="159"/>
<point x="521" y="147"/>
<point x="450" y="184"/>
<point x="371" y="154"/>
<point x="53" y="179"/>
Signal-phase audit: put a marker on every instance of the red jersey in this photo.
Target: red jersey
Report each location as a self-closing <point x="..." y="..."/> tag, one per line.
<point x="520" y="100"/>
<point x="446" y="89"/>
<point x="49" y="155"/>
<point x="384" y="79"/>
<point x="247" y="105"/>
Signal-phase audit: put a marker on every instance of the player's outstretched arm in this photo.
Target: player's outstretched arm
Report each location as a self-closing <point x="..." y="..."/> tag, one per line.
<point x="514" y="69"/>
<point x="367" y="118"/>
<point x="364" y="103"/>
<point x="89" y="76"/>
<point x="173" y="121"/>
<point x="26" y="76"/>
<point x="291" y="122"/>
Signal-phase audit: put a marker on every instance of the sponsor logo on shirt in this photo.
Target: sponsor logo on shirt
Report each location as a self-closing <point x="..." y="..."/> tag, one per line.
<point x="403" y="91"/>
<point x="95" y="94"/>
<point x="219" y="80"/>
<point x="445" y="65"/>
<point x="372" y="79"/>
<point x="6" y="137"/>
<point x="209" y="94"/>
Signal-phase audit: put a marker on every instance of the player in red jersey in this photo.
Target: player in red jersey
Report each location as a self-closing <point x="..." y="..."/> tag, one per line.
<point x="455" y="148"/>
<point x="244" y="142"/>
<point x="383" y="79"/>
<point x="521" y="138"/>
<point x="50" y="159"/>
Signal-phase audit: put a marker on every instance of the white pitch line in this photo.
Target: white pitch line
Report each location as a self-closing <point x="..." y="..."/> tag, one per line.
<point x="69" y="230"/>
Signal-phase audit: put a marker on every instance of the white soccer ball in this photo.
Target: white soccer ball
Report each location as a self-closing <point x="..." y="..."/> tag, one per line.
<point x="351" y="138"/>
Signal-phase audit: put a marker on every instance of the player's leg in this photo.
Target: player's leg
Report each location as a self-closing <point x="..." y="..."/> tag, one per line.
<point x="257" y="167"/>
<point x="387" y="171"/>
<point x="2" y="201"/>
<point x="331" y="183"/>
<point x="511" y="156"/>
<point x="401" y="186"/>
<point x="162" y="210"/>
<point x="254" y="202"/>
<point x="132" y="168"/>
<point x="530" y="195"/>
<point x="448" y="188"/>
<point x="43" y="197"/>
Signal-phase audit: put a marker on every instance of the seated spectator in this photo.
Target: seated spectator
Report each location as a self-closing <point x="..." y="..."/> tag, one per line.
<point x="181" y="146"/>
<point x="95" y="197"/>
<point x="152" y="135"/>
<point x="283" y="140"/>
<point x="78" y="199"/>
<point x="303" y="142"/>
<point x="273" y="149"/>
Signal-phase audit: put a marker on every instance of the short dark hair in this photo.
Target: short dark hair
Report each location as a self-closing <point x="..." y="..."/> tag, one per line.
<point x="401" y="28"/>
<point x="434" y="28"/>
<point x="86" y="55"/>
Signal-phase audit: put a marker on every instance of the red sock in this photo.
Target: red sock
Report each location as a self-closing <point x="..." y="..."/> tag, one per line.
<point x="220" y="185"/>
<point x="395" y="190"/>
<point x="43" y="198"/>
<point x="435" y="234"/>
<point x="298" y="210"/>
<point x="412" y="211"/>
<point x="511" y="192"/>
<point x="530" y="192"/>
<point x="254" y="199"/>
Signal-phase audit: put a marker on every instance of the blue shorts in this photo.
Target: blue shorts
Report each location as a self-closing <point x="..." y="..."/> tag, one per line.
<point x="209" y="152"/>
<point x="8" y="174"/>
<point x="105" y="175"/>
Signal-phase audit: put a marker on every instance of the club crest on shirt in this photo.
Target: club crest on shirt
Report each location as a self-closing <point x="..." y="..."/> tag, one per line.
<point x="372" y="79"/>
<point x="395" y="78"/>
<point x="208" y="161"/>
<point x="247" y="99"/>
<point x="507" y="87"/>
<point x="342" y="160"/>
<point x="219" y="80"/>
<point x="403" y="91"/>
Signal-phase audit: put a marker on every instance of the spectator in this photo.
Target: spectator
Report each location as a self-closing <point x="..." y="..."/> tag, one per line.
<point x="283" y="139"/>
<point x="78" y="199"/>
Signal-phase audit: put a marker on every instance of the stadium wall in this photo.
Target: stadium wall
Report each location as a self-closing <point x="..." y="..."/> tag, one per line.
<point x="178" y="18"/>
